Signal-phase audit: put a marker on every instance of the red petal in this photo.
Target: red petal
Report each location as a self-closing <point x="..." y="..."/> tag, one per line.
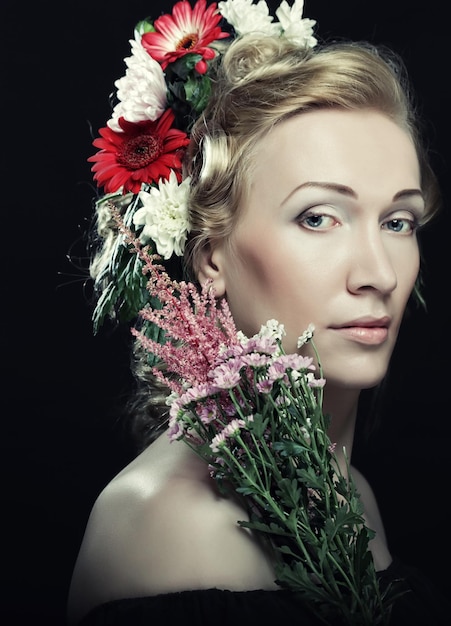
<point x="165" y="122"/>
<point x="157" y="45"/>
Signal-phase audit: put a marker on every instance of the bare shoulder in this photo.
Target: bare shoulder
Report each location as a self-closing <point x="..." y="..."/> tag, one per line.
<point x="160" y="526"/>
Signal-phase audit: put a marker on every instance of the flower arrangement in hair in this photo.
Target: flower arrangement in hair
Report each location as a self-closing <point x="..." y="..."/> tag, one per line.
<point x="166" y="85"/>
<point x="252" y="412"/>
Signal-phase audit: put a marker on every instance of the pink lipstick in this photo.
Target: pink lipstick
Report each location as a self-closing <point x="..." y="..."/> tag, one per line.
<point x="368" y="330"/>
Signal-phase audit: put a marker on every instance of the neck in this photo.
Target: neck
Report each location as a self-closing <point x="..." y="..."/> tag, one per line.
<point x="341" y="406"/>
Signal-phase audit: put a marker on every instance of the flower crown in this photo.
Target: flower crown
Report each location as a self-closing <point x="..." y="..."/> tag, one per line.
<point x="165" y="88"/>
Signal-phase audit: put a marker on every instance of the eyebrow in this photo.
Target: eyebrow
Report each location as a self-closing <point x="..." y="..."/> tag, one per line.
<point x="348" y="191"/>
<point x="408" y="193"/>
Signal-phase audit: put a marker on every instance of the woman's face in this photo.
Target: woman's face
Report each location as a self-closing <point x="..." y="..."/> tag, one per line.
<point x="328" y="237"/>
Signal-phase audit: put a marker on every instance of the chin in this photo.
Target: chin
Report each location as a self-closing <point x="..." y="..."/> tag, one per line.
<point x="357" y="378"/>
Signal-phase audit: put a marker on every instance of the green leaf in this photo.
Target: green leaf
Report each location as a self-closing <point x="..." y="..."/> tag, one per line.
<point x="182" y="66"/>
<point x="272" y="528"/>
<point x="177" y="90"/>
<point x="258" y="425"/>
<point x="289" y="492"/>
<point x="290" y="448"/>
<point x="104" y="306"/>
<point x="197" y="92"/>
<point x="145" y="26"/>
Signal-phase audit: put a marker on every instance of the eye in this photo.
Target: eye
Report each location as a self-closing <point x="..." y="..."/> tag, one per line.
<point x="402" y="225"/>
<point x="316" y="221"/>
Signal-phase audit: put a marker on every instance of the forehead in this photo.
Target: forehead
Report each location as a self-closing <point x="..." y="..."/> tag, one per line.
<point x="355" y="148"/>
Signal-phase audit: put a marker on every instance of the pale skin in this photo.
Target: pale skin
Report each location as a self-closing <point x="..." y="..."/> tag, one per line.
<point x="335" y="199"/>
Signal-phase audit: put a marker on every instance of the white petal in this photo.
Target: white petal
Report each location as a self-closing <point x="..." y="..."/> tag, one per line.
<point x="142" y="91"/>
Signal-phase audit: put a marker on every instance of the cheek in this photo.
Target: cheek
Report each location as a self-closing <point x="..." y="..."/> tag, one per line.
<point x="267" y="268"/>
<point x="258" y="282"/>
<point x="273" y="281"/>
<point x="408" y="269"/>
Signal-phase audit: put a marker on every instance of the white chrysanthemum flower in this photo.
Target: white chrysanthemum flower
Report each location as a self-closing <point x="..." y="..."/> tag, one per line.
<point x="164" y="216"/>
<point x="247" y="17"/>
<point x="242" y="338"/>
<point x="306" y="335"/>
<point x="142" y="91"/>
<point x="294" y="27"/>
<point x="272" y="329"/>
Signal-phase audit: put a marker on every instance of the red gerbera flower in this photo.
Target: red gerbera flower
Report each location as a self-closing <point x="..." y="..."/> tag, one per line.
<point x="186" y="31"/>
<point x="144" y="153"/>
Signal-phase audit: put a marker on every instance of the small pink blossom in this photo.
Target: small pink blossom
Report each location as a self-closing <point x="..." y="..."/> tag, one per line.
<point x="265" y="345"/>
<point x="227" y="375"/>
<point x="218" y="442"/>
<point x="276" y="371"/>
<point x="207" y="412"/>
<point x="175" y="429"/>
<point x="294" y="362"/>
<point x="265" y="386"/>
<point x="316" y="383"/>
<point x="197" y="392"/>
<point x="234" y="427"/>
<point x="255" y="359"/>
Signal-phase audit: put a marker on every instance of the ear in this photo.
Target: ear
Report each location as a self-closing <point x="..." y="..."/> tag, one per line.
<point x="211" y="268"/>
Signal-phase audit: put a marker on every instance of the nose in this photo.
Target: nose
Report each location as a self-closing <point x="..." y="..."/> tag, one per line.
<point x="371" y="266"/>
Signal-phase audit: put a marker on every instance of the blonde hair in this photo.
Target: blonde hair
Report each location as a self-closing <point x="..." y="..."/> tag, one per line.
<point x="263" y="81"/>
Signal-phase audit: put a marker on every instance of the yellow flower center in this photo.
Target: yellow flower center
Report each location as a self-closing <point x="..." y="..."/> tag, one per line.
<point x="188" y="42"/>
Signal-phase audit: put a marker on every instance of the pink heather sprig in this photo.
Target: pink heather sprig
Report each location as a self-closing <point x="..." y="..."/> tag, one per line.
<point x="196" y="325"/>
<point x="195" y="329"/>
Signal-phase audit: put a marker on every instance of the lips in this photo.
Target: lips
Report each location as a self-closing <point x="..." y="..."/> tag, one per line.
<point x="366" y="330"/>
<point x="366" y="322"/>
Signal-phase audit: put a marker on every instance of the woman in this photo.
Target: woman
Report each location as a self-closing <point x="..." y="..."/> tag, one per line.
<point x="308" y="183"/>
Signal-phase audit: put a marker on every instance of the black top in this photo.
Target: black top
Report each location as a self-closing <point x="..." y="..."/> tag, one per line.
<point x="421" y="605"/>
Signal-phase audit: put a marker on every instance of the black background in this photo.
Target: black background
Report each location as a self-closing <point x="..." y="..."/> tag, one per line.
<point x="62" y="438"/>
